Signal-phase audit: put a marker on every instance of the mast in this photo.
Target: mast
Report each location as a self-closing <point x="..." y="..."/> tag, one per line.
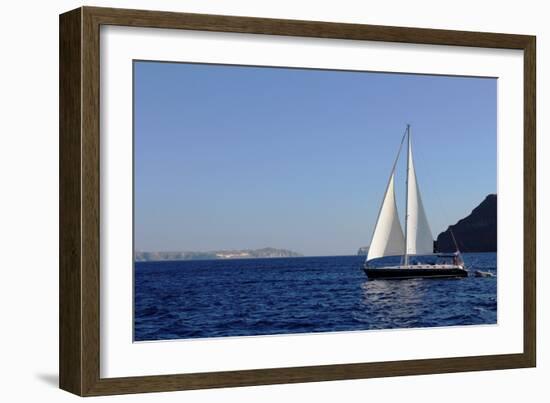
<point x="405" y="255"/>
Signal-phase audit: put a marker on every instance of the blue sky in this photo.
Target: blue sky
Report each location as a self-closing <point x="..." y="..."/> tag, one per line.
<point x="235" y="157"/>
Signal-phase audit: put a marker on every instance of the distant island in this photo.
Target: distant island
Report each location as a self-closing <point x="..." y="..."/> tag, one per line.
<point x="363" y="251"/>
<point x="215" y="254"/>
<point x="474" y="233"/>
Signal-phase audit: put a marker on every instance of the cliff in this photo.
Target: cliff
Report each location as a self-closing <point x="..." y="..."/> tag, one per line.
<point x="474" y="233"/>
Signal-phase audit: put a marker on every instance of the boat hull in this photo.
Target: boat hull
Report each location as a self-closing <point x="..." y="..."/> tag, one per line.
<point x="398" y="273"/>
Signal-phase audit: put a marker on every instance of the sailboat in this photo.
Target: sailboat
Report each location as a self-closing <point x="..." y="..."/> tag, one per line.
<point x="416" y="242"/>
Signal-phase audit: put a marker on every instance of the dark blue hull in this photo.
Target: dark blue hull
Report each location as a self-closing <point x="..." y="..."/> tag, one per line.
<point x="390" y="273"/>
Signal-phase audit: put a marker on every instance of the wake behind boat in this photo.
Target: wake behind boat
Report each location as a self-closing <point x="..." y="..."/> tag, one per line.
<point x="417" y="242"/>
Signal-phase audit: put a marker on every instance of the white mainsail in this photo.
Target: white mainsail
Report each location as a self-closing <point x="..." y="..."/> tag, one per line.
<point x="419" y="236"/>
<point x="388" y="238"/>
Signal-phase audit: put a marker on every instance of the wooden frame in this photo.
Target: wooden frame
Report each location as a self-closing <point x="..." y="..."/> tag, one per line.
<point x="79" y="201"/>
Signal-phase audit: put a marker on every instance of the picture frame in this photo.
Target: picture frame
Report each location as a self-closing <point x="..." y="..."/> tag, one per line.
<point x="80" y="177"/>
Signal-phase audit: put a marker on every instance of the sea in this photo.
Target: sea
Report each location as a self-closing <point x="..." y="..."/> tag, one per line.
<point x="243" y="297"/>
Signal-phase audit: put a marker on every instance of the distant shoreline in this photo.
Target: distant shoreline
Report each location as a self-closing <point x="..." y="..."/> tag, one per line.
<point x="245" y="258"/>
<point x="222" y="254"/>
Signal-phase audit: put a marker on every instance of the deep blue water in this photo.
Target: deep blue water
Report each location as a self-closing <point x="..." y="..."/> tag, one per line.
<point x="213" y="298"/>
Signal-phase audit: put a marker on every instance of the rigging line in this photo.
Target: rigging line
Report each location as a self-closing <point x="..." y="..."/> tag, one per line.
<point x="398" y="152"/>
<point x="454" y="239"/>
<point x="386" y="191"/>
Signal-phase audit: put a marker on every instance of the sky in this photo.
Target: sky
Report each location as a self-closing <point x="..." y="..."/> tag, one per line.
<point x="242" y="157"/>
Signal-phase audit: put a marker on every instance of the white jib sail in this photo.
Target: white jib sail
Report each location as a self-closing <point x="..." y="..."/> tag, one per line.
<point x="419" y="235"/>
<point x="388" y="238"/>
